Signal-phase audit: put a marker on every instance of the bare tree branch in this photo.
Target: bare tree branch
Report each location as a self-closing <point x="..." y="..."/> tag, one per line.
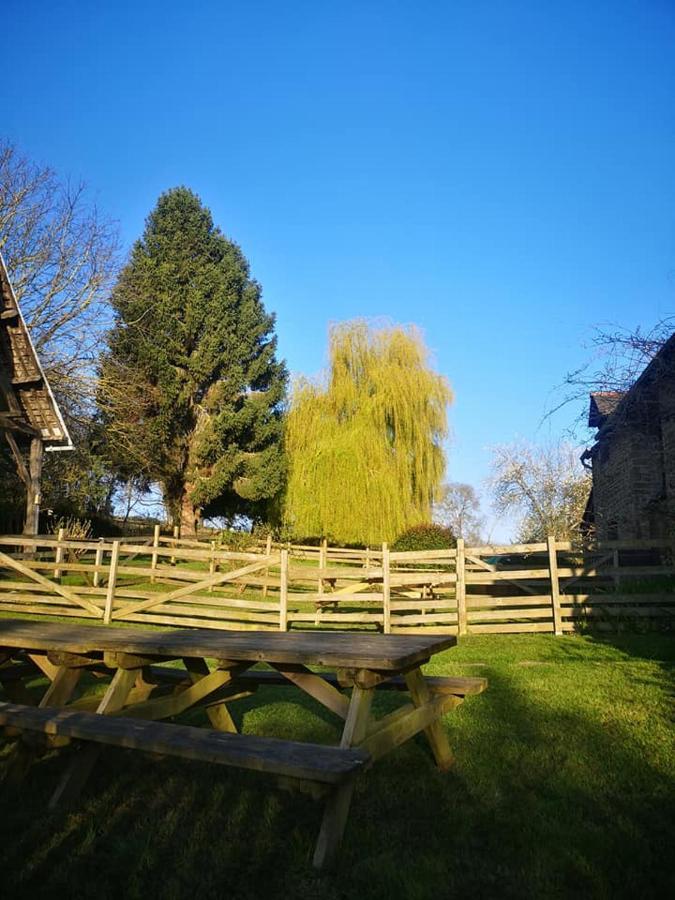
<point x="544" y="485"/>
<point x="618" y="356"/>
<point x="62" y="258"/>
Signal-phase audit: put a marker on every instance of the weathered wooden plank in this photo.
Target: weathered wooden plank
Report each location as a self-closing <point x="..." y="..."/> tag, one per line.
<point x="338" y="803"/>
<point x="478" y="601"/>
<point x="386" y="590"/>
<point x="460" y="590"/>
<point x="495" y="615"/>
<point x="601" y="599"/>
<point x="317" y="687"/>
<point x="574" y="572"/>
<point x="400" y="728"/>
<point x="427" y="577"/>
<point x="314" y="762"/>
<point x="554" y="575"/>
<point x="511" y="628"/>
<point x="219" y="714"/>
<point x="346" y="617"/>
<point x="340" y="649"/>
<point x="178" y="611"/>
<point x="488" y="567"/>
<point x="77" y="773"/>
<point x="62" y="687"/>
<point x="283" y="591"/>
<point x="10" y="563"/>
<point x="508" y="575"/>
<point x="461" y="686"/>
<point x="112" y="582"/>
<point x="420" y="629"/>
<point x="47" y="609"/>
<point x="501" y="549"/>
<point x="220" y="578"/>
<point x="613" y="611"/>
<point x="414" y="604"/>
<point x="43" y="664"/>
<point x="434" y="731"/>
<point x="429" y="618"/>
<point x="338" y="599"/>
<point x="165" y="707"/>
<point x="422" y="555"/>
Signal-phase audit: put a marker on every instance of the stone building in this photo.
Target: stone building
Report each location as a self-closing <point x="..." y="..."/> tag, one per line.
<point x="633" y="458"/>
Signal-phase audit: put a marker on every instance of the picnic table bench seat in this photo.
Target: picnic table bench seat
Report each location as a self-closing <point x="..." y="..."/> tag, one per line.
<point x="460" y="686"/>
<point x="291" y="759"/>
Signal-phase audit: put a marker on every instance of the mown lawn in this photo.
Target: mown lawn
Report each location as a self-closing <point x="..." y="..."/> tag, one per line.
<point x="563" y="786"/>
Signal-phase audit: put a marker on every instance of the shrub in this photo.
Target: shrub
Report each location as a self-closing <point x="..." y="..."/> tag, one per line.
<point x="74" y="530"/>
<point x="236" y="541"/>
<point x="427" y="536"/>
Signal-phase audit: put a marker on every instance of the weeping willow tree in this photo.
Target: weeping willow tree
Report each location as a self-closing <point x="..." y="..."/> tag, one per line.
<point x="364" y="442"/>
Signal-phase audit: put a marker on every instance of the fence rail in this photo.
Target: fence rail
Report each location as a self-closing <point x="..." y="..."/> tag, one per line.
<point x="549" y="586"/>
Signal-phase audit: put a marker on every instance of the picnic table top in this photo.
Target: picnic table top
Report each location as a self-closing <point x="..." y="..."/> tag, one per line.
<point x="341" y="649"/>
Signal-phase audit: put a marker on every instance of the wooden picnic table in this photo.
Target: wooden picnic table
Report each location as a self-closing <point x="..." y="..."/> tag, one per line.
<point x="217" y="668"/>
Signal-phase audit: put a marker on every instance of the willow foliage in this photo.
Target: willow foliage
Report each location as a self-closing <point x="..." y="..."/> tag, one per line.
<point x="364" y="444"/>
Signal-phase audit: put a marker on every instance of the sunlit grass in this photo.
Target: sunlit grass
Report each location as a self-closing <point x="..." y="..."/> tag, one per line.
<point x="563" y="785"/>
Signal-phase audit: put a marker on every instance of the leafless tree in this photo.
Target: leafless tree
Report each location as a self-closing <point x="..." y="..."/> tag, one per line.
<point x="459" y="510"/>
<point x="545" y="485"/>
<point x="62" y="257"/>
<point x="618" y="356"/>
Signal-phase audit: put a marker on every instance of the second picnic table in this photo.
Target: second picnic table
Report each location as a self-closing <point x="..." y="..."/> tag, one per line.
<point x="217" y="669"/>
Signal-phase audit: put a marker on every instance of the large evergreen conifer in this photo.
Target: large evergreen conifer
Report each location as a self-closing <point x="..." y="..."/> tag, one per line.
<point x="191" y="388"/>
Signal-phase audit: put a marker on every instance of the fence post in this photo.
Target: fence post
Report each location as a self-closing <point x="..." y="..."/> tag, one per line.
<point x="460" y="588"/>
<point x="283" y="592"/>
<point x="323" y="558"/>
<point x="386" y="590"/>
<point x="112" y="581"/>
<point x="98" y="561"/>
<point x="176" y="535"/>
<point x="617" y="576"/>
<point x="155" y="545"/>
<point x="212" y="564"/>
<point x="58" y="556"/>
<point x="555" y="584"/>
<point x="268" y="552"/>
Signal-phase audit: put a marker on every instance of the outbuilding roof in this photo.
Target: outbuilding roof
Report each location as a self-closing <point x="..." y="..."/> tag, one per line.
<point x="603" y="404"/>
<point x="618" y="404"/>
<point x="27" y="404"/>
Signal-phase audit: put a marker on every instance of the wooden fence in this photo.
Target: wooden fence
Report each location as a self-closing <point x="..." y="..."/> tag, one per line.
<point x="545" y="587"/>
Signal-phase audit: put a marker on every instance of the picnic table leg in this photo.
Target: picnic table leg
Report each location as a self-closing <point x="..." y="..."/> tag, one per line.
<point x="435" y="733"/>
<point x="12" y="679"/>
<point x="58" y="693"/>
<point x="219" y="714"/>
<point x="77" y="773"/>
<point x="339" y="800"/>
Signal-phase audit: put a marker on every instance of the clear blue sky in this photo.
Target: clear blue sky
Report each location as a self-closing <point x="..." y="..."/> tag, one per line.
<point x="500" y="173"/>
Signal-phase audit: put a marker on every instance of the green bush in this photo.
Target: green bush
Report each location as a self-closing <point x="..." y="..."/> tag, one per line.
<point x="236" y="541"/>
<point x="427" y="536"/>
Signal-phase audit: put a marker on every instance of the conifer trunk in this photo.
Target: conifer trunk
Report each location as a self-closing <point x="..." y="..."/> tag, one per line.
<point x="188" y="514"/>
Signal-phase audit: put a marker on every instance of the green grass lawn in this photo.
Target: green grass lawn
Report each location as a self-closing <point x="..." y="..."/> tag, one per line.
<point x="563" y="786"/>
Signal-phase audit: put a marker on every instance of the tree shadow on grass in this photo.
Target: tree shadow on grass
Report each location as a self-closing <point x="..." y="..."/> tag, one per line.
<point x="541" y="802"/>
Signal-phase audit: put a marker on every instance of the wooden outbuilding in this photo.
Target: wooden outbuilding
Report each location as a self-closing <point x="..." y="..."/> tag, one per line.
<point x="30" y="419"/>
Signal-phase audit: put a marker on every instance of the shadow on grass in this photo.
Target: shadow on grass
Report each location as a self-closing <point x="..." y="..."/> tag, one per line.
<point x="541" y="803"/>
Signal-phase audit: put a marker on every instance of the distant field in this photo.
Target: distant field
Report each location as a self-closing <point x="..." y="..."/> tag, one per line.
<point x="564" y="785"/>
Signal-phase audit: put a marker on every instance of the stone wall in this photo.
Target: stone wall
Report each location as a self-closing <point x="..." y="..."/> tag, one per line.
<point x="634" y="472"/>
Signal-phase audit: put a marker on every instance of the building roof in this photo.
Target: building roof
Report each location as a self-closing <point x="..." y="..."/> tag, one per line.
<point x="615" y="405"/>
<point x="603" y="404"/>
<point x="27" y="404"/>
